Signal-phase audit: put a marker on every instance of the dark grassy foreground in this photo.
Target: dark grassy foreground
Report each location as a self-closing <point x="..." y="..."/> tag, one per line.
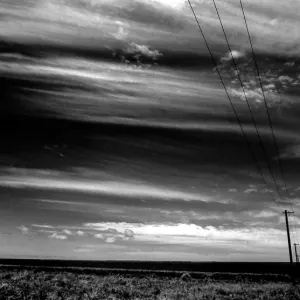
<point x="41" y="285"/>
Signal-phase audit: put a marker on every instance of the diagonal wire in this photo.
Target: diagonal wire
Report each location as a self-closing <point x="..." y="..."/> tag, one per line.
<point x="233" y="108"/>
<point x="265" y="101"/>
<point x="249" y="107"/>
<point x="294" y="227"/>
<point x="270" y="121"/>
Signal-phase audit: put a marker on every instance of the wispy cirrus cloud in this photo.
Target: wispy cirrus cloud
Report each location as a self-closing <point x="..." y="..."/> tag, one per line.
<point x="172" y="21"/>
<point x="117" y="188"/>
<point x="175" y="172"/>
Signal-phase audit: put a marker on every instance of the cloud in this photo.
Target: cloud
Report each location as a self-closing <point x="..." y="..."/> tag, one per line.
<point x="267" y="190"/>
<point x="47" y="231"/>
<point x="122" y="32"/>
<point x="58" y="236"/>
<point x="23" y="229"/>
<point x="114" y="188"/>
<point x="42" y="226"/>
<point x="139" y="55"/>
<point x="263" y="214"/>
<point x="285" y="78"/>
<point x="67" y="232"/>
<point x="111" y="239"/>
<point x="273" y="22"/>
<point x="143" y="50"/>
<point x="180" y="233"/>
<point x="112" y="231"/>
<point x="254" y="95"/>
<point x="66" y="22"/>
<point x="107" y="238"/>
<point x="99" y="236"/>
<point x="270" y="86"/>
<point x="111" y="235"/>
<point x="128" y="234"/>
<point x="276" y="78"/>
<point x="266" y="214"/>
<point x="290" y="152"/>
<point x="234" y="53"/>
<point x="83" y="250"/>
<point x="174" y="4"/>
<point x="252" y="190"/>
<point x="80" y="233"/>
<point x="289" y="64"/>
<point x="253" y="185"/>
<point x="232" y="190"/>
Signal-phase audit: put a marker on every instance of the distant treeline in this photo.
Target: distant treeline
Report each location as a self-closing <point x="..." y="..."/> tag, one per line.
<point x="210" y="267"/>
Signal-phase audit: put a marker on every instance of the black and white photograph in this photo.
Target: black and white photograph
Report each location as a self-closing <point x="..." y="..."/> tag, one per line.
<point x="150" y="149"/>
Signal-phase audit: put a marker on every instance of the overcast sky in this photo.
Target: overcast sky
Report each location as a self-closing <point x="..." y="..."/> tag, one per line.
<point x="119" y="141"/>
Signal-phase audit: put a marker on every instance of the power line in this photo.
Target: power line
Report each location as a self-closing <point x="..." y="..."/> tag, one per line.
<point x="296" y="228"/>
<point x="233" y="108"/>
<point x="265" y="101"/>
<point x="249" y="107"/>
<point x="268" y="114"/>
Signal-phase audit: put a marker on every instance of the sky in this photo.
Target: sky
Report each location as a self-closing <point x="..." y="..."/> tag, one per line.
<point x="119" y="141"/>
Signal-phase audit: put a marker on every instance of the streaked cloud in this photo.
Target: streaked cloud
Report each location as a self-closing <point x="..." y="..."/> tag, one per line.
<point x="61" y="21"/>
<point x="138" y="189"/>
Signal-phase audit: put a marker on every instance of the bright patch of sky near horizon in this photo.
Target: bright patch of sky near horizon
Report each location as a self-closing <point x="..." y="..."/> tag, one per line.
<point x="132" y="193"/>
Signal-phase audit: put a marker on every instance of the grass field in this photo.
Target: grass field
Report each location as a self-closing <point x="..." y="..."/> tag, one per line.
<point x="42" y="285"/>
